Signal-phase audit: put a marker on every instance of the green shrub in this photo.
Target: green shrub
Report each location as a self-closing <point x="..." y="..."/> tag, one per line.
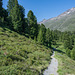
<point x="73" y="54"/>
<point x="68" y="52"/>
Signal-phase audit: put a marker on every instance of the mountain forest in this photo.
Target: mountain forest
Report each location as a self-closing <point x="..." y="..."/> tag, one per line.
<point x="26" y="46"/>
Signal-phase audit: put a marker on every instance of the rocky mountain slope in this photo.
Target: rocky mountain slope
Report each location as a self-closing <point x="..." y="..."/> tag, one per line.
<point x="63" y="22"/>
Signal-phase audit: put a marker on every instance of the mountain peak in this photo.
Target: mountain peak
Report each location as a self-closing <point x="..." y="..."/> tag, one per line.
<point x="71" y="10"/>
<point x="44" y="20"/>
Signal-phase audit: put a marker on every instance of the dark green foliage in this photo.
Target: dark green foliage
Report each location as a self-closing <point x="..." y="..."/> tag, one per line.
<point x="48" y="37"/>
<point x="1" y="8"/>
<point x="41" y="35"/>
<point x="68" y="43"/>
<point x="71" y="43"/>
<point x="73" y="54"/>
<point x="17" y="16"/>
<point x="3" y="15"/>
<point x="16" y="57"/>
<point x="11" y="4"/>
<point x="56" y="34"/>
<point x="26" y="26"/>
<point x="68" y="52"/>
<point x="67" y="38"/>
<point x="53" y="42"/>
<point x="32" y="23"/>
<point x="3" y="12"/>
<point x="22" y="12"/>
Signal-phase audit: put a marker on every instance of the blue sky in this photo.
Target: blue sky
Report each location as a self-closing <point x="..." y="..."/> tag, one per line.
<point x="45" y="9"/>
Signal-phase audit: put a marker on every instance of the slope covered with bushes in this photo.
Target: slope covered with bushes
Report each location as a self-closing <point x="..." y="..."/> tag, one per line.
<point x="20" y="55"/>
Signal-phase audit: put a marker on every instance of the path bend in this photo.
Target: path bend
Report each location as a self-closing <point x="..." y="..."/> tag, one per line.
<point x="53" y="67"/>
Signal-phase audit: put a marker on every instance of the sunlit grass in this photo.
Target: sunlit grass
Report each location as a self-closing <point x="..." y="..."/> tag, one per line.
<point x="66" y="64"/>
<point x="20" y="55"/>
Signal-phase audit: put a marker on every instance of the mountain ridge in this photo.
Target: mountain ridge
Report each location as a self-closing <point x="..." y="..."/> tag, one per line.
<point x="63" y="22"/>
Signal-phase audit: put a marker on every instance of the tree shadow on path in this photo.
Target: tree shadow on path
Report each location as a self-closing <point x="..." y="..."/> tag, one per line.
<point x="54" y="49"/>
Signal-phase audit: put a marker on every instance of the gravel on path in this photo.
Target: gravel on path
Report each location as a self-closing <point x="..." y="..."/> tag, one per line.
<point x="53" y="67"/>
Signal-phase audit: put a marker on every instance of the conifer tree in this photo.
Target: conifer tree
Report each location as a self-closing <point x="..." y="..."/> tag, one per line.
<point x="16" y="20"/>
<point x="17" y="17"/>
<point x="1" y="8"/>
<point x="41" y="36"/>
<point x="11" y="4"/>
<point x="68" y="51"/>
<point x="26" y="26"/>
<point x="32" y="23"/>
<point x="48" y="37"/>
<point x="3" y="14"/>
<point x="73" y="52"/>
<point x="22" y="12"/>
<point x="68" y="43"/>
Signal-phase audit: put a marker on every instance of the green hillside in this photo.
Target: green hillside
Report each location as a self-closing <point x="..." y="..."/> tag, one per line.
<point x="63" y="22"/>
<point x="66" y="64"/>
<point x="20" y="55"/>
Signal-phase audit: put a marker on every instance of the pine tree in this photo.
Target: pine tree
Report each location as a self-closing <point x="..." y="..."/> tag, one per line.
<point x="22" y="12"/>
<point x="68" y="43"/>
<point x="32" y="23"/>
<point x="41" y="36"/>
<point x="11" y="4"/>
<point x="3" y="15"/>
<point x="68" y="52"/>
<point x="26" y="26"/>
<point x="16" y="20"/>
<point x="17" y="17"/>
<point x="73" y="52"/>
<point x="1" y="8"/>
<point x="48" y="37"/>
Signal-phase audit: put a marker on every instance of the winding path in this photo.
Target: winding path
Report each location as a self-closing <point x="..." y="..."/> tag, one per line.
<point x="53" y="67"/>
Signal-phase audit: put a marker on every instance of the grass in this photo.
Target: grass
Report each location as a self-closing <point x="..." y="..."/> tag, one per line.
<point x="66" y="64"/>
<point x="20" y="55"/>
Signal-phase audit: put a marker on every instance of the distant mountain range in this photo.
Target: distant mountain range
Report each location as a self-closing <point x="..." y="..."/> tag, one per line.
<point x="63" y="22"/>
